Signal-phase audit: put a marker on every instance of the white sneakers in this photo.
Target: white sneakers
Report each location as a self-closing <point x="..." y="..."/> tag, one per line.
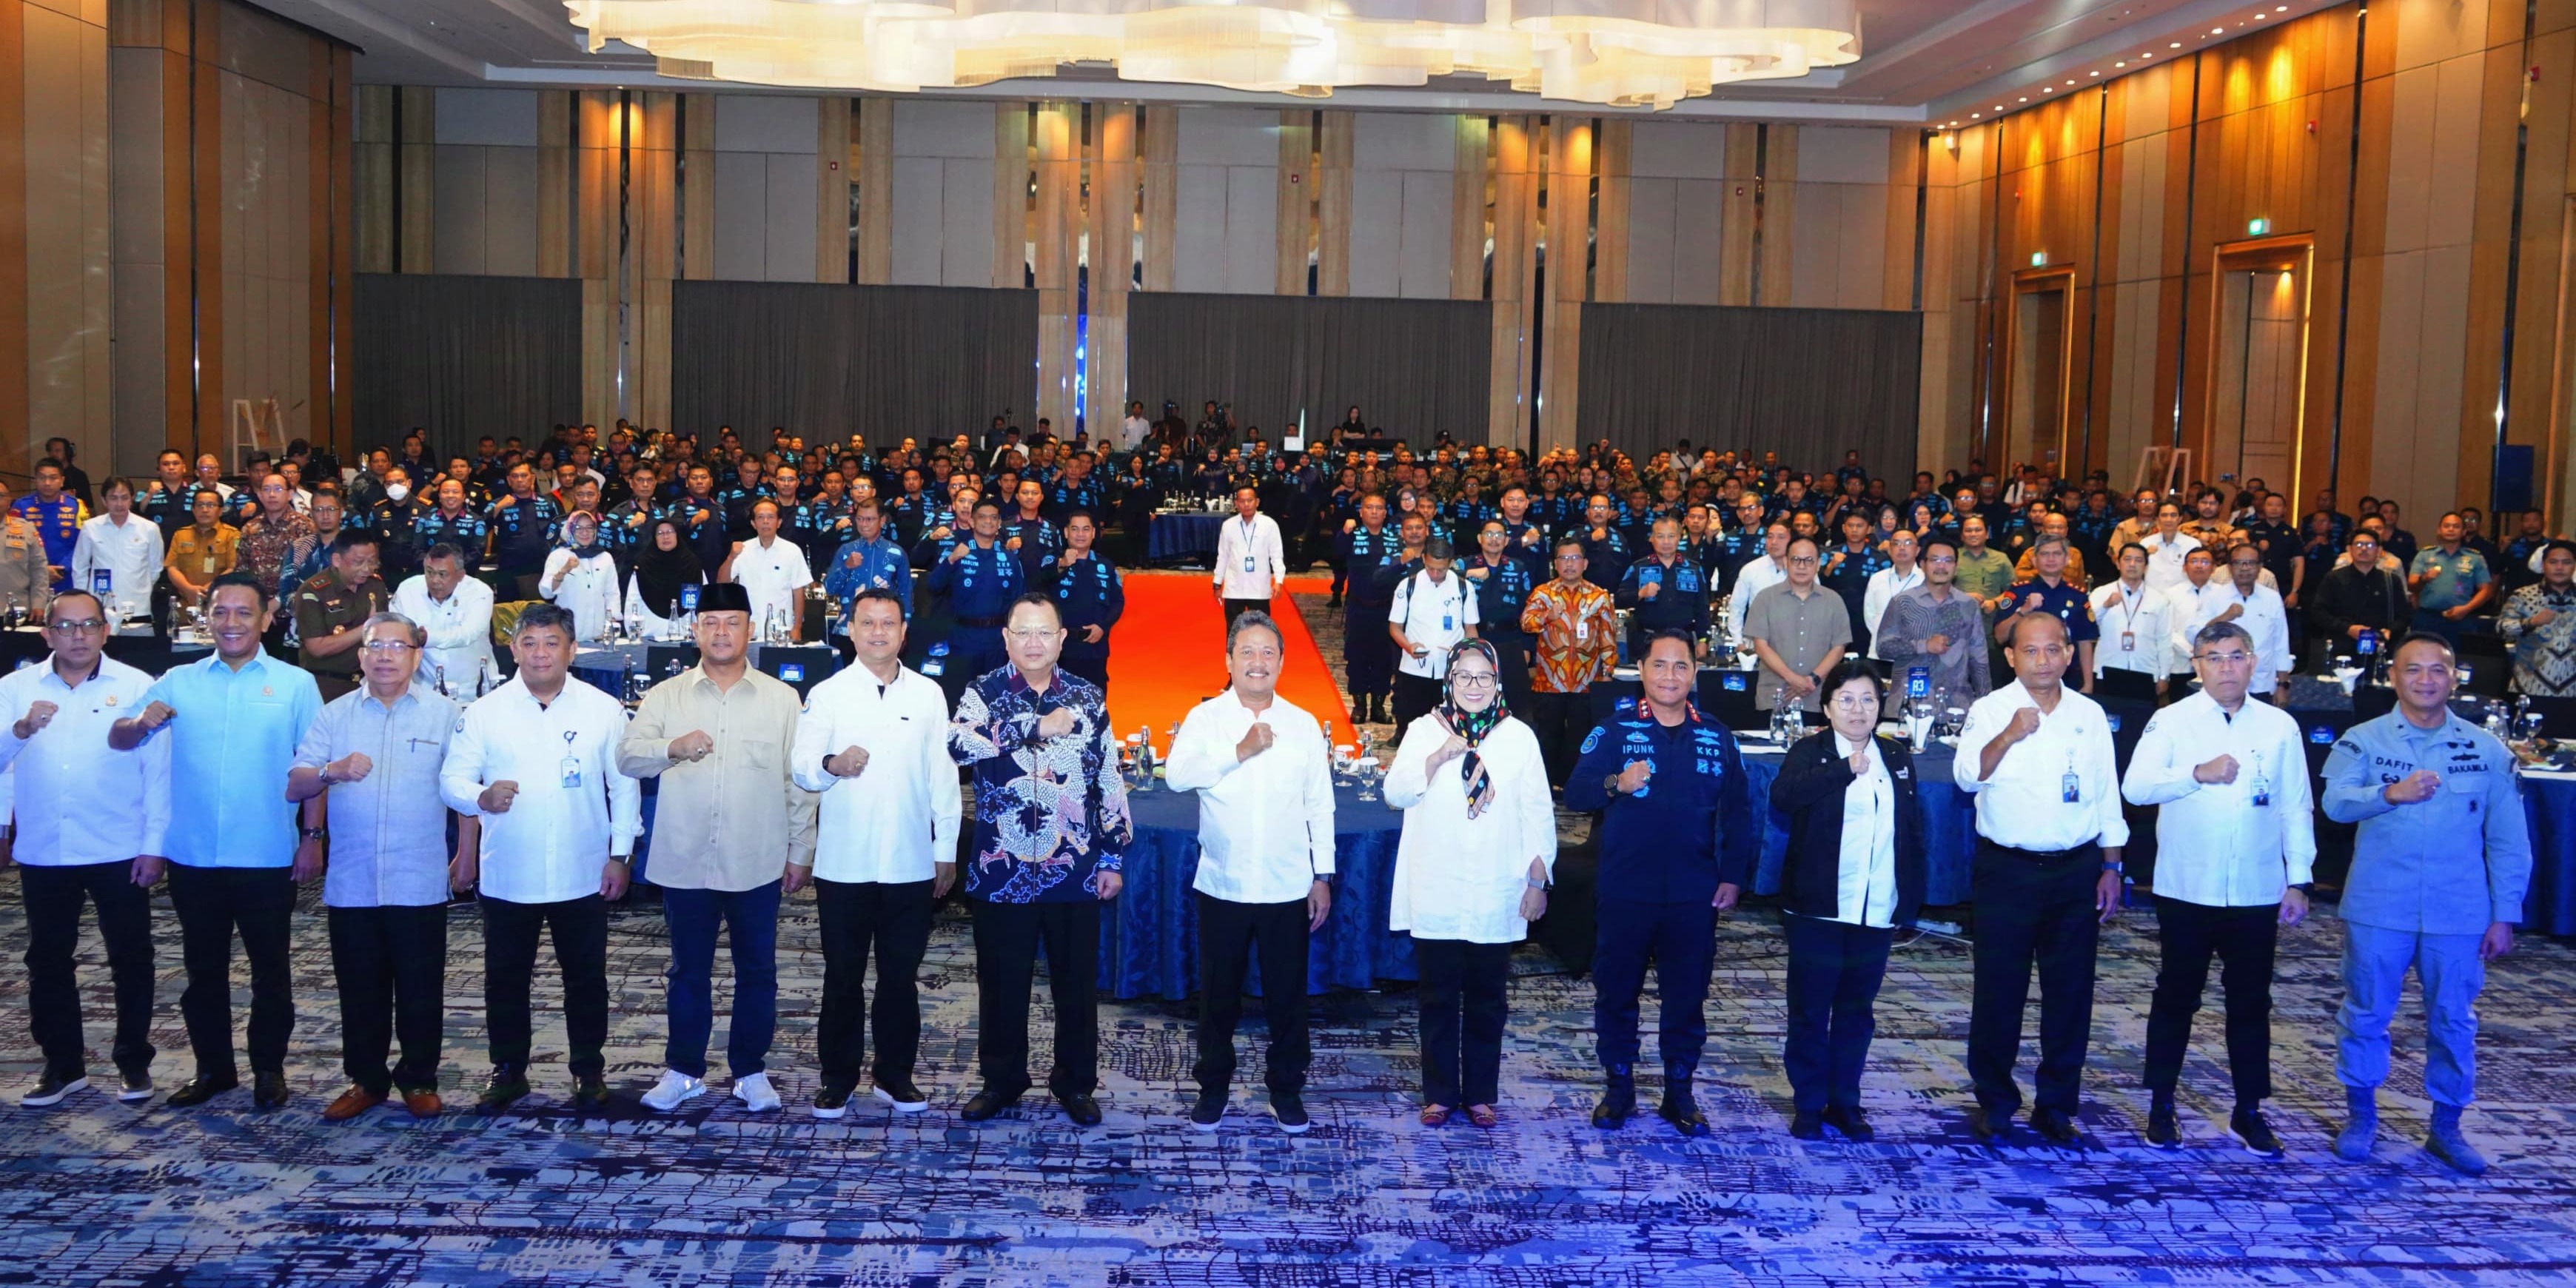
<point x="677" y="1089"/>
<point x="755" y="1093"/>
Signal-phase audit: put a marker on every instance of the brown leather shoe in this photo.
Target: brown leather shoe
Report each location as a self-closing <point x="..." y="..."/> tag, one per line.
<point x="353" y="1102"/>
<point x="423" y="1104"/>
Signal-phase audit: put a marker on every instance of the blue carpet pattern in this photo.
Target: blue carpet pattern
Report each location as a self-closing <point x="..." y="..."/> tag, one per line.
<point x="98" y="1193"/>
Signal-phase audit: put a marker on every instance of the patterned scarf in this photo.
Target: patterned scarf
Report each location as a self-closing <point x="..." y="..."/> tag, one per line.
<point x="1471" y="725"/>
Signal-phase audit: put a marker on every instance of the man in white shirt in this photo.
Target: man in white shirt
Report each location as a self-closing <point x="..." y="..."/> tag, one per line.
<point x="2235" y="844"/>
<point x="1262" y="769"/>
<point x="2037" y="754"/>
<point x="2166" y="547"/>
<point x="118" y="554"/>
<point x="1133" y="431"/>
<point x="90" y="825"/>
<point x="1762" y="574"/>
<point x="456" y="611"/>
<point x="1902" y="575"/>
<point x="874" y="742"/>
<point x="1250" y="562"/>
<point x="2242" y="598"/>
<point x="2136" y="621"/>
<point x="774" y="570"/>
<point x="1432" y="610"/>
<point x="536" y="760"/>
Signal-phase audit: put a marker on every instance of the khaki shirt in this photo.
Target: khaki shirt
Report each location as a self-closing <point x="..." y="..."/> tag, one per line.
<point x="734" y="820"/>
<point x="323" y="605"/>
<point x="25" y="580"/>
<point x="202" y="559"/>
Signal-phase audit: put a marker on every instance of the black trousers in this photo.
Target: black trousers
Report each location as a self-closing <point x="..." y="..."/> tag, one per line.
<point x="1834" y="972"/>
<point x="1228" y="934"/>
<point x="1414" y="696"/>
<point x="1008" y="939"/>
<point x="1513" y="650"/>
<point x="2243" y="940"/>
<point x="510" y="932"/>
<point x="1235" y="608"/>
<point x="213" y="904"/>
<point x="892" y="920"/>
<point x="1463" y="1013"/>
<point x="1560" y="720"/>
<point x="1094" y="669"/>
<point x="54" y="896"/>
<point x="391" y="964"/>
<point x="1680" y="939"/>
<point x="2033" y="911"/>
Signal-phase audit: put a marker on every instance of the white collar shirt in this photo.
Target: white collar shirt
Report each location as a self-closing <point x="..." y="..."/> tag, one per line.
<point x="129" y="553"/>
<point x="458" y="658"/>
<point x="388" y="829"/>
<point x="2234" y="844"/>
<point x="2024" y="804"/>
<point x="1250" y="563"/>
<point x="78" y="801"/>
<point x="1754" y="578"/>
<point x="2164" y="558"/>
<point x="573" y="809"/>
<point x="898" y="818"/>
<point x="1265" y="824"/>
<point x="1434" y="615"/>
<point x="1865" y="892"/>
<point x="2137" y="630"/>
<point x="2262" y="616"/>
<point x="588" y="591"/>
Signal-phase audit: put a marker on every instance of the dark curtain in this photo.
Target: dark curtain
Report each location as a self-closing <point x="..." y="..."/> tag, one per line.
<point x="463" y="356"/>
<point x="1414" y="367"/>
<point x="1806" y="383"/>
<point x="828" y="360"/>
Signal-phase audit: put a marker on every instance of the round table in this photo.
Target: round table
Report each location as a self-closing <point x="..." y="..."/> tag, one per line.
<point x="1149" y="942"/>
<point x="1183" y="534"/>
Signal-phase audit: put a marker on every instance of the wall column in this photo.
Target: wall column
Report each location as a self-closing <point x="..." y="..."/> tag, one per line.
<point x="1110" y="219"/>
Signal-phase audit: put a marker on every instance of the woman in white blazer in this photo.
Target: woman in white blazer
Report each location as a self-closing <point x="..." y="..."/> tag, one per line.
<point x="582" y="578"/>
<point x="1471" y="871"/>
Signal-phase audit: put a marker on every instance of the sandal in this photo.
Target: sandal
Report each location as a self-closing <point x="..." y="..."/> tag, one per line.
<point x="1483" y="1115"/>
<point x="1435" y="1115"/>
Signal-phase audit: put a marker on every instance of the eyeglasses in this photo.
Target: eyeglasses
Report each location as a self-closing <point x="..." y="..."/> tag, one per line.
<point x="1033" y="635"/>
<point x="387" y="648"/>
<point x="1856" y="701"/>
<point x="2236" y="657"/>
<point x="1466" y="681"/>
<point x="83" y="626"/>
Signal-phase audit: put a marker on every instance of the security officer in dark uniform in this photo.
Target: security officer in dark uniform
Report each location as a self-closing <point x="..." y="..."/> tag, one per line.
<point x="1523" y="535"/>
<point x="453" y="520"/>
<point x="629" y="523"/>
<point x="1741" y="543"/>
<point x="1605" y="549"/>
<point x="1678" y="836"/>
<point x="737" y="497"/>
<point x="1088" y="596"/>
<point x="978" y="579"/>
<point x="702" y="518"/>
<point x="1465" y="513"/>
<point x="1663" y="592"/>
<point x="2053" y="595"/>
<point x="1368" y="652"/>
<point x="523" y="533"/>
<point x="1848" y="567"/>
<point x="395" y="520"/>
<point x="1502" y="583"/>
<point x="1026" y="532"/>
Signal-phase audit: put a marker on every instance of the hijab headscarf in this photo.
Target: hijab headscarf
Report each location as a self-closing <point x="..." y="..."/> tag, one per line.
<point x="1471" y="725"/>
<point x="659" y="573"/>
<point x="581" y="549"/>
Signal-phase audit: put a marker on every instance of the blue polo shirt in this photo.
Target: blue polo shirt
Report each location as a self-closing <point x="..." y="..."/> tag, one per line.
<point x="232" y="743"/>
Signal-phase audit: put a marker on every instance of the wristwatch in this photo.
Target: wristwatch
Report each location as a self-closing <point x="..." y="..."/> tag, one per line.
<point x="1610" y="784"/>
<point x="316" y="833"/>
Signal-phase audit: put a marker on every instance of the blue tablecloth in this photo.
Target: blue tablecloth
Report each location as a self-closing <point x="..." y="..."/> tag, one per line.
<point x="1183" y="536"/>
<point x="1949" y="826"/>
<point x="1149" y="943"/>
<point x="2550" y="905"/>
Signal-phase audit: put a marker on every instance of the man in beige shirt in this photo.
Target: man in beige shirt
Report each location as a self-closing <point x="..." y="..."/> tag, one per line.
<point x="1800" y="631"/>
<point x="729" y="826"/>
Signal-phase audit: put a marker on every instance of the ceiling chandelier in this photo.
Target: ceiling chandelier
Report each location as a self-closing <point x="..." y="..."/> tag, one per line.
<point x="1618" y="53"/>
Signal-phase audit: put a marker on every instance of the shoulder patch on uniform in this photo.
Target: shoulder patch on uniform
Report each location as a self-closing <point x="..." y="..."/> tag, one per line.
<point x="1591" y="740"/>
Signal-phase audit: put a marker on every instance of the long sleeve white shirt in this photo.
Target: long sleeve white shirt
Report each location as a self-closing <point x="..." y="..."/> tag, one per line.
<point x="129" y="553"/>
<point x="589" y="591"/>
<point x="1884" y="585"/>
<point x="2024" y="804"/>
<point x="1265" y="824"/>
<point x="1458" y="877"/>
<point x="2263" y="617"/>
<point x="2137" y="630"/>
<point x="1754" y="578"/>
<point x="77" y="800"/>
<point x="573" y="809"/>
<point x="899" y="816"/>
<point x="1250" y="563"/>
<point x="2164" y="558"/>
<point x="2225" y="845"/>
<point x="460" y="634"/>
<point x="773" y="575"/>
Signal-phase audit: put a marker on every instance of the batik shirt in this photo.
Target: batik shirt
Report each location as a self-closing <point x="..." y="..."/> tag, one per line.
<point x="2544" y="656"/>
<point x="1050" y="814"/>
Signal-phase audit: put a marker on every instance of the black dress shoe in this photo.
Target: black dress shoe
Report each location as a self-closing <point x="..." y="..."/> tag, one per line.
<point x="1081" y="1108"/>
<point x="509" y="1085"/>
<point x="2056" y="1128"/>
<point x="1682" y="1110"/>
<point x="267" y="1089"/>
<point x="197" y="1091"/>
<point x="1989" y="1128"/>
<point x="1617" y="1105"/>
<point x="984" y="1104"/>
<point x="1851" y="1122"/>
<point x="1807" y="1125"/>
<point x="590" y="1094"/>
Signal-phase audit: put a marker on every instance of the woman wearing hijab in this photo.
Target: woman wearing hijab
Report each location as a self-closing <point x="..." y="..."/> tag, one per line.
<point x="581" y="576"/>
<point x="1471" y="871"/>
<point x="653" y="590"/>
<point x="1854" y="873"/>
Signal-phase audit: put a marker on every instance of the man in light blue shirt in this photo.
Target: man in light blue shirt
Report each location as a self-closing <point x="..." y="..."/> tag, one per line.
<point x="2440" y="862"/>
<point x="233" y="721"/>
<point x="91" y="826"/>
<point x="368" y="769"/>
<point x="2450" y="580"/>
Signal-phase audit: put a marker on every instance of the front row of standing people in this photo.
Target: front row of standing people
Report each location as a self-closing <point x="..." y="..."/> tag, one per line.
<point x="530" y="795"/>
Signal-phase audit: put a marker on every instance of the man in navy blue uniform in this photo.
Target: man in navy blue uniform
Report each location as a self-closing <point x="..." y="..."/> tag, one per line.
<point x="1367" y="651"/>
<point x="2050" y="594"/>
<point x="1663" y="591"/>
<point x="867" y="561"/>
<point x="980" y="579"/>
<point x="1605" y="550"/>
<point x="523" y="532"/>
<point x="1088" y="595"/>
<point x="1678" y="837"/>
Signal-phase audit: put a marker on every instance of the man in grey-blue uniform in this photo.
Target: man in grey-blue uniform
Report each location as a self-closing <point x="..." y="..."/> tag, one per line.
<point x="2439" y="866"/>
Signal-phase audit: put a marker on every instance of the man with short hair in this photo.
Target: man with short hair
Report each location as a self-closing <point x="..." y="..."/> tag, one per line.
<point x="57" y="516"/>
<point x="2050" y="594"/>
<point x="1432" y="609"/>
<point x="2539" y="621"/>
<point x="234" y="719"/>
<point x="1902" y="573"/>
<point x="873" y="741"/>
<point x="1767" y="569"/>
<point x="1799" y="631"/>
<point x="523" y="532"/>
<point x="980" y="580"/>
<point x="536" y="761"/>
<point x="2450" y="581"/>
<point x="2135" y="623"/>
<point x="1576" y="629"/>
<point x="2241" y="598"/>
<point x="368" y="771"/>
<point x="1251" y="566"/>
<point x="455" y="612"/>
<point x="92" y="824"/>
<point x="118" y="555"/>
<point x="869" y="560"/>
<point x="2359" y="597"/>
<point x="1938" y="627"/>
<point x="1089" y="596"/>
<point x="734" y="832"/>
<point x="332" y="608"/>
<point x="2441" y="859"/>
<point x="1664" y="591"/>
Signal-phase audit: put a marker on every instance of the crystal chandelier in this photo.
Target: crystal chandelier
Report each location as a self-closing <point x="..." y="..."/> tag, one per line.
<point x="1619" y="53"/>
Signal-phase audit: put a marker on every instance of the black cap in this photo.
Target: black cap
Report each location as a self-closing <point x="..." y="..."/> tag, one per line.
<point x="724" y="597"/>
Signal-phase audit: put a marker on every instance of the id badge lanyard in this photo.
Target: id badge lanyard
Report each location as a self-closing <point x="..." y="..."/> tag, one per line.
<point x="569" y="768"/>
<point x="2071" y="787"/>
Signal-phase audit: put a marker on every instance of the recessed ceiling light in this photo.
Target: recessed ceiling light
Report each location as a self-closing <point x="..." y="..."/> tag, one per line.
<point x="2175" y="45"/>
<point x="2023" y="99"/>
<point x="2092" y="73"/>
<point x="2122" y="63"/>
<point x="2280" y="8"/>
<point x="2218" y="31"/>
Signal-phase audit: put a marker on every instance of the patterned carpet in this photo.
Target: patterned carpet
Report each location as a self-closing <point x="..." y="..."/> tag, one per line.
<point x="99" y="1193"/>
